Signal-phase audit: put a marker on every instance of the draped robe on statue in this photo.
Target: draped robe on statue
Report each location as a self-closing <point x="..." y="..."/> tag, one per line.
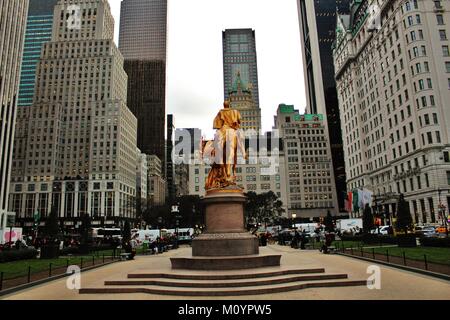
<point x="224" y="149"/>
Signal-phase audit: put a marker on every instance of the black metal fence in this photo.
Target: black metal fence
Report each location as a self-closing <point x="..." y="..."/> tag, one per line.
<point x="397" y="259"/>
<point x="54" y="268"/>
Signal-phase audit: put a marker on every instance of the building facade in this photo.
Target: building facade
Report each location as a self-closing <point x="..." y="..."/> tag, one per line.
<point x="317" y="29"/>
<point x="143" y="43"/>
<point x="141" y="183"/>
<point x="311" y="190"/>
<point x="80" y="154"/>
<point x="156" y="183"/>
<point x="240" y="60"/>
<point x="13" y="17"/>
<point x="392" y="73"/>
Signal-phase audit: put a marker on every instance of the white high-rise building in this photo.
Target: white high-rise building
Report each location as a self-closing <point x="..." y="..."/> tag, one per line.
<point x="13" y="17"/>
<point x="392" y="62"/>
<point x="81" y="145"/>
<point x="311" y="191"/>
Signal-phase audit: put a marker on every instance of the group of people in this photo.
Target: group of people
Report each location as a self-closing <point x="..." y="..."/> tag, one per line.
<point x="160" y="245"/>
<point x="299" y="239"/>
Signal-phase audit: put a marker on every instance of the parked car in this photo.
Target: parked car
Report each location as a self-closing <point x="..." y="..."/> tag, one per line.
<point x="427" y="231"/>
<point x="384" y="230"/>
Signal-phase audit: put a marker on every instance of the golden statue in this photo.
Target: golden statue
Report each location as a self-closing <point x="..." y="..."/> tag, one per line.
<point x="223" y="151"/>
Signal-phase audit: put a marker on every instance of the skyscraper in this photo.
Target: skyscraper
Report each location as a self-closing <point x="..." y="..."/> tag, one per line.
<point x="81" y="148"/>
<point x="143" y="29"/>
<point x="317" y="29"/>
<point x="240" y="61"/>
<point x="143" y="43"/>
<point x="13" y="15"/>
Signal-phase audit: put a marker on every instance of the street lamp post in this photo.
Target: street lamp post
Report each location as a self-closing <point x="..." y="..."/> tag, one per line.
<point x="175" y="211"/>
<point x="442" y="210"/>
<point x="294" y="215"/>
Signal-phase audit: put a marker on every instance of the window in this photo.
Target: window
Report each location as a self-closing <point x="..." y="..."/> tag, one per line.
<point x="447" y="66"/>
<point x="429" y="137"/>
<point x="446" y="156"/>
<point x="438" y="137"/>
<point x="440" y="19"/>
<point x="445" y="51"/>
<point x="448" y="178"/>
<point x="442" y="35"/>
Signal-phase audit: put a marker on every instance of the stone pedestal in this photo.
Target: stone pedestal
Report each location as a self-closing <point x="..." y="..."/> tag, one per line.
<point x="226" y="244"/>
<point x="225" y="228"/>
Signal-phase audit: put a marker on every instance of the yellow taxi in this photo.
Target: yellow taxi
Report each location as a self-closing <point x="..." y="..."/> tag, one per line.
<point x="441" y="229"/>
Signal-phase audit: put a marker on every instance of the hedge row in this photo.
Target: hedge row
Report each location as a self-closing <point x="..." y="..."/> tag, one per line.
<point x="14" y="255"/>
<point x="435" y="242"/>
<point x="401" y="240"/>
<point x="84" y="249"/>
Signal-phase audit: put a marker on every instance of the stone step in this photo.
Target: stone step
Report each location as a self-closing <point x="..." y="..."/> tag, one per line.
<point x="238" y="291"/>
<point x="189" y="283"/>
<point x="227" y="276"/>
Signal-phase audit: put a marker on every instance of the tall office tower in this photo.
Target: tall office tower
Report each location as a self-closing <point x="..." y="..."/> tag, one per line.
<point x="13" y="17"/>
<point x="239" y="60"/>
<point x="241" y="99"/>
<point x="38" y="32"/>
<point x="81" y="147"/>
<point x="311" y="190"/>
<point x="143" y="29"/>
<point x="392" y="74"/>
<point x="317" y="29"/>
<point x="143" y="43"/>
<point x="146" y="99"/>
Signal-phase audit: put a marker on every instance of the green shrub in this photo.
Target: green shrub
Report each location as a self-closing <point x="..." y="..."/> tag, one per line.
<point x="435" y="242"/>
<point x="14" y="255"/>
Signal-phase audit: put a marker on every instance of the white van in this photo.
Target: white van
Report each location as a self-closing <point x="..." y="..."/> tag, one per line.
<point x="149" y="235"/>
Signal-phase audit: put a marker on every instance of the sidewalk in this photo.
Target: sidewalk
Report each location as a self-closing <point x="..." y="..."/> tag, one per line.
<point x="395" y="284"/>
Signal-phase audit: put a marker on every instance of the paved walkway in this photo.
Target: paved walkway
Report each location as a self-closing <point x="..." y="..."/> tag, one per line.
<point x="395" y="283"/>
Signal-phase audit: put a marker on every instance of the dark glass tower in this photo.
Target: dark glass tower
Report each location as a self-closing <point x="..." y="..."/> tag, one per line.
<point x="38" y="32"/>
<point x="143" y="29"/>
<point x="143" y="43"/>
<point x="239" y="58"/>
<point x="317" y="27"/>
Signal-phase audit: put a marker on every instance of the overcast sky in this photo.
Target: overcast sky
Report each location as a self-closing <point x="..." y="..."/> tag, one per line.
<point x="195" y="72"/>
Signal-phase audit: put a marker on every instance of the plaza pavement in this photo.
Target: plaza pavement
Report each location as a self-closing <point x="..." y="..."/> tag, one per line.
<point x="395" y="283"/>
